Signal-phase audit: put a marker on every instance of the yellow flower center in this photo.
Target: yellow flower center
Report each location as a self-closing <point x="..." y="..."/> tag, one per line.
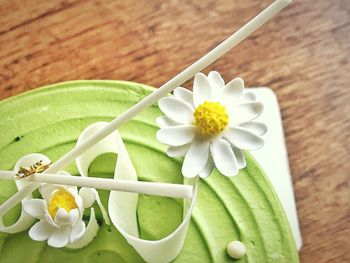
<point x="61" y="199"/>
<point x="211" y="118"/>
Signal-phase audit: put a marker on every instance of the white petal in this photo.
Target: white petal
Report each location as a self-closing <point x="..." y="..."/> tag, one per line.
<point x="224" y="159"/>
<point x="176" y="110"/>
<point x="248" y="111"/>
<point x="208" y="168"/>
<point x="248" y="96"/>
<point x="243" y="138"/>
<point x="35" y="207"/>
<point x="62" y="217"/>
<point x="165" y="121"/>
<point x="79" y="202"/>
<point x="88" y="196"/>
<point x="216" y="80"/>
<point x="77" y="231"/>
<point x="232" y="92"/>
<point x="50" y="220"/>
<point x="258" y="128"/>
<point x="73" y="190"/>
<point x="178" y="135"/>
<point x="41" y="230"/>
<point x="88" y="235"/>
<point x="196" y="158"/>
<point x="74" y="215"/>
<point x="59" y="238"/>
<point x="178" y="151"/>
<point x="46" y="190"/>
<point x="185" y="95"/>
<point x="240" y="157"/>
<point x="202" y="90"/>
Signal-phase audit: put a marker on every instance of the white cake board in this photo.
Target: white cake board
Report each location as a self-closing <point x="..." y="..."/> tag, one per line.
<point x="273" y="157"/>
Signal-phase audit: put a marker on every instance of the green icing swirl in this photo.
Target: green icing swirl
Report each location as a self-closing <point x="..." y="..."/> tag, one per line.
<point x="49" y="120"/>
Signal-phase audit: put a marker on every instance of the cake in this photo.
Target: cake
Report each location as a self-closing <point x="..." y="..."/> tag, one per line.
<point x="49" y="120"/>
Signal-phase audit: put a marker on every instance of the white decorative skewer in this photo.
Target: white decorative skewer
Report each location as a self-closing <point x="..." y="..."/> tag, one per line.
<point x="182" y="77"/>
<point x="150" y="188"/>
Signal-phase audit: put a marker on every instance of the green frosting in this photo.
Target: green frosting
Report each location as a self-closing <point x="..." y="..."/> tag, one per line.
<point x="49" y="120"/>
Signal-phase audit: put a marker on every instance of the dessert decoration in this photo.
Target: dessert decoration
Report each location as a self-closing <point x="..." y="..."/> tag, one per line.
<point x="185" y="75"/>
<point x="151" y="188"/>
<point x="241" y="208"/>
<point x="122" y="206"/>
<point x="24" y="221"/>
<point x="236" y="249"/>
<point x="38" y="167"/>
<point x="211" y="126"/>
<point x="60" y="211"/>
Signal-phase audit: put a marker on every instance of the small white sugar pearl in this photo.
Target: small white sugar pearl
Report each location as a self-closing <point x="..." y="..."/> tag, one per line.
<point x="236" y="249"/>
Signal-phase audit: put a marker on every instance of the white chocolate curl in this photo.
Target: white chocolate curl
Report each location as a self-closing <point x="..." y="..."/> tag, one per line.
<point x="122" y="206"/>
<point x="24" y="221"/>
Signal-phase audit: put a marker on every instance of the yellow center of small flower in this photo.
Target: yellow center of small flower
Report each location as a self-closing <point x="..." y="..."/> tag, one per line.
<point x="211" y="118"/>
<point x="61" y="199"/>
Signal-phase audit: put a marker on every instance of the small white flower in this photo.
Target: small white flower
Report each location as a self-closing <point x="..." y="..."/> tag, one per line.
<point x="211" y="126"/>
<point x="60" y="214"/>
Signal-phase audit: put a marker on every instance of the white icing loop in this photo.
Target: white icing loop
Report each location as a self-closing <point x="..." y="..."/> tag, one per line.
<point x="24" y="221"/>
<point x="122" y="206"/>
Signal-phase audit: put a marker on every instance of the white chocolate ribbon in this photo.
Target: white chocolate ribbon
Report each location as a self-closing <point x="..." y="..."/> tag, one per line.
<point x="122" y="206"/>
<point x="24" y="221"/>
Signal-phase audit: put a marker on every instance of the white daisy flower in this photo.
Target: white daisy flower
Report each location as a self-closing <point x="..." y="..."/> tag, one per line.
<point x="211" y="125"/>
<point x="60" y="213"/>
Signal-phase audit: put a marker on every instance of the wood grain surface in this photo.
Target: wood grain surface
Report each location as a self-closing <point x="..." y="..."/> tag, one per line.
<point x="303" y="55"/>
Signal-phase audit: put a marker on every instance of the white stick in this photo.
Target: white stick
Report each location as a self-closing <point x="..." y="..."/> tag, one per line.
<point x="185" y="75"/>
<point x="150" y="188"/>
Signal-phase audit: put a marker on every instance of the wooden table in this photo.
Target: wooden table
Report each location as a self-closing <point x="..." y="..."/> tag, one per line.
<point x="303" y="55"/>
